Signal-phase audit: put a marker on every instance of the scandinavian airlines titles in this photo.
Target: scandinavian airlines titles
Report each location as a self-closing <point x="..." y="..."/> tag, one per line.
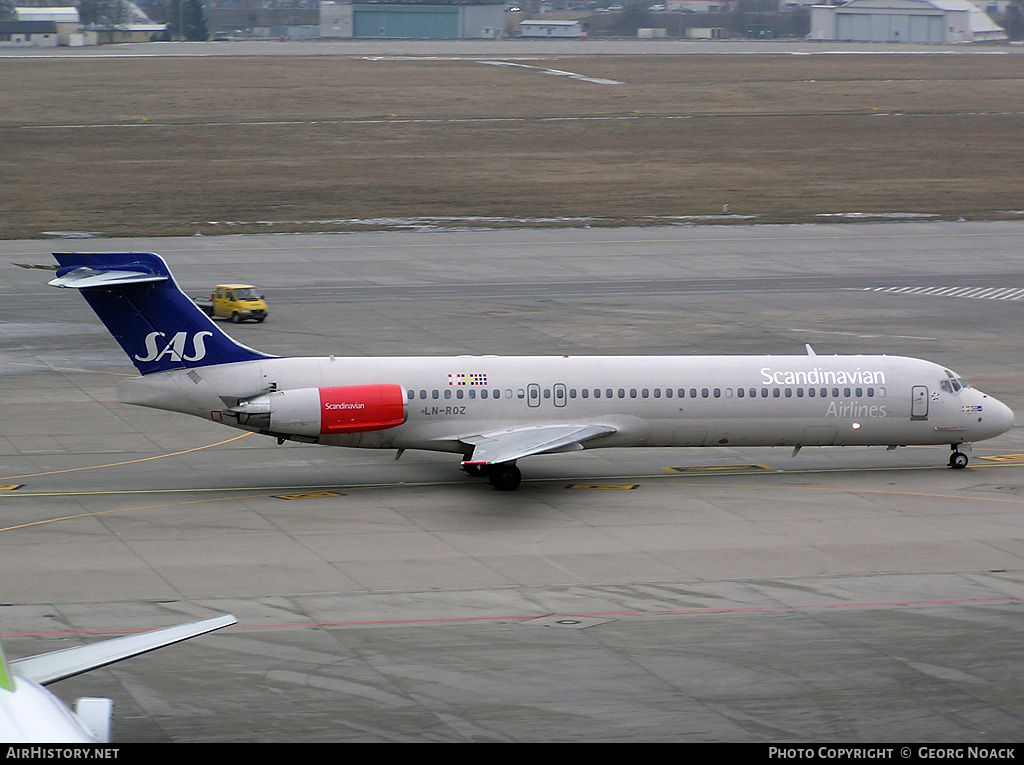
<point x="819" y="376"/>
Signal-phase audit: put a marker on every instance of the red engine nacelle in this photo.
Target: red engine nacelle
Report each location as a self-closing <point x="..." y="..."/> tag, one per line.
<point x="359" y="408"/>
<point x="315" y="412"/>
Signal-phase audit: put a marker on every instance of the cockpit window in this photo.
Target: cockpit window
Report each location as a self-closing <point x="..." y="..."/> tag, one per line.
<point x="955" y="382"/>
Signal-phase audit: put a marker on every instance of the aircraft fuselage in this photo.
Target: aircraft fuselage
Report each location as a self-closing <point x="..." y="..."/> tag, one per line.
<point x="649" y="400"/>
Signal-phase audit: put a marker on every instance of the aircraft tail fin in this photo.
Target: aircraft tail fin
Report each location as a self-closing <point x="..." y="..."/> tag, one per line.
<point x="157" y="325"/>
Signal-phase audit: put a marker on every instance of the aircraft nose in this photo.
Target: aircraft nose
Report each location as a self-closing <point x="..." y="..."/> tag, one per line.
<point x="997" y="417"/>
<point x="1004" y="416"/>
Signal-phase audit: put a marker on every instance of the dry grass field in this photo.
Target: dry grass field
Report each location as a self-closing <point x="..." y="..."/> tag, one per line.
<point x="166" y="146"/>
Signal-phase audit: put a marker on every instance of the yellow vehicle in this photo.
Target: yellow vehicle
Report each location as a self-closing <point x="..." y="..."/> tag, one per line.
<point x="238" y="302"/>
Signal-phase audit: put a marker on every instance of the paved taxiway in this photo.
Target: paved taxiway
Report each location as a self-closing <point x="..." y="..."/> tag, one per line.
<point x="505" y="48"/>
<point x="839" y="595"/>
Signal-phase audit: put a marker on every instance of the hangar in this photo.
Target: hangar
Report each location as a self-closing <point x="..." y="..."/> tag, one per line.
<point x="434" y="20"/>
<point x="914" y="21"/>
<point x="37" y="34"/>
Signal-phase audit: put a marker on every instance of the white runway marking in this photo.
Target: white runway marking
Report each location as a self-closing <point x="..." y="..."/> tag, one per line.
<point x="555" y="72"/>
<point x="977" y="293"/>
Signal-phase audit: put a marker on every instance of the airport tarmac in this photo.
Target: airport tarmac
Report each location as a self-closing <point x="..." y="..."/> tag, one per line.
<point x="839" y="595"/>
<point x="505" y="48"/>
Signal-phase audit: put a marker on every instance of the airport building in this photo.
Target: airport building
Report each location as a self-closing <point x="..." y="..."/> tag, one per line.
<point x="542" y="28"/>
<point x="436" y="20"/>
<point x="28" y="34"/>
<point x="62" y="26"/>
<point x="913" y="21"/>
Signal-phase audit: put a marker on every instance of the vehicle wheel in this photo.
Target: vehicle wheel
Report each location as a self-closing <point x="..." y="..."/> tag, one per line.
<point x="958" y="460"/>
<point x="236" y="319"/>
<point x="505" y="477"/>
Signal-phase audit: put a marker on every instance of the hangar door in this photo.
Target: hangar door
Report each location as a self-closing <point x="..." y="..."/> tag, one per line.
<point x="927" y="29"/>
<point x="889" y="27"/>
<point x="410" y="22"/>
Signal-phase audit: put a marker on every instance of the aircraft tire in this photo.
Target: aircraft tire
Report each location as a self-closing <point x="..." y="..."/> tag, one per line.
<point x="958" y="460"/>
<point x="505" y="477"/>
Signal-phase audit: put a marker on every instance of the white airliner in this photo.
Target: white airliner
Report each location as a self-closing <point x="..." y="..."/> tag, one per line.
<point x="31" y="714"/>
<point x="496" y="410"/>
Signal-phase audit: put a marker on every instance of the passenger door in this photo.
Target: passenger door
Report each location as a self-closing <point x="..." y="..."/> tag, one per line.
<point x="919" y="403"/>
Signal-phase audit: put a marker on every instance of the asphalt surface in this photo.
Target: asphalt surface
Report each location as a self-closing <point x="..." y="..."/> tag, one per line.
<point x="505" y="48"/>
<point x="840" y="595"/>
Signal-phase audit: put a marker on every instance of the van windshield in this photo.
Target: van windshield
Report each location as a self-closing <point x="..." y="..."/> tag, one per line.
<point x="247" y="294"/>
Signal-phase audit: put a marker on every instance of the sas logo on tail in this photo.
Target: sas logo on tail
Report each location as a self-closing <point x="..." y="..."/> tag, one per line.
<point x="175" y="348"/>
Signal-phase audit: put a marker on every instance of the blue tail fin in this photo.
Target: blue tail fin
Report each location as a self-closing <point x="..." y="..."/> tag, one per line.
<point x="138" y="301"/>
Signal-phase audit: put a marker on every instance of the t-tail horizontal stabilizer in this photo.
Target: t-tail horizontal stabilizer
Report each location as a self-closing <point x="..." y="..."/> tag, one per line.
<point x="137" y="299"/>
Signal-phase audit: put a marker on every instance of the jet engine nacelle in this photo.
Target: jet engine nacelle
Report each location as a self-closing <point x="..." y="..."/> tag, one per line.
<point x="325" y="411"/>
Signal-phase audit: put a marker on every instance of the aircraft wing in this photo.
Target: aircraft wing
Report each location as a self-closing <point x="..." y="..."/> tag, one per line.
<point x="58" y="665"/>
<point x="514" y="443"/>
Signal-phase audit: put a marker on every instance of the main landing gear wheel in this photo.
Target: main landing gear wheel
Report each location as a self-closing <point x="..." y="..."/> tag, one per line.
<point x="958" y="460"/>
<point x="505" y="477"/>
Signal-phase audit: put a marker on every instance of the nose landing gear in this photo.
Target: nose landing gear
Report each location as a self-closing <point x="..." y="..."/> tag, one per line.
<point x="957" y="460"/>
